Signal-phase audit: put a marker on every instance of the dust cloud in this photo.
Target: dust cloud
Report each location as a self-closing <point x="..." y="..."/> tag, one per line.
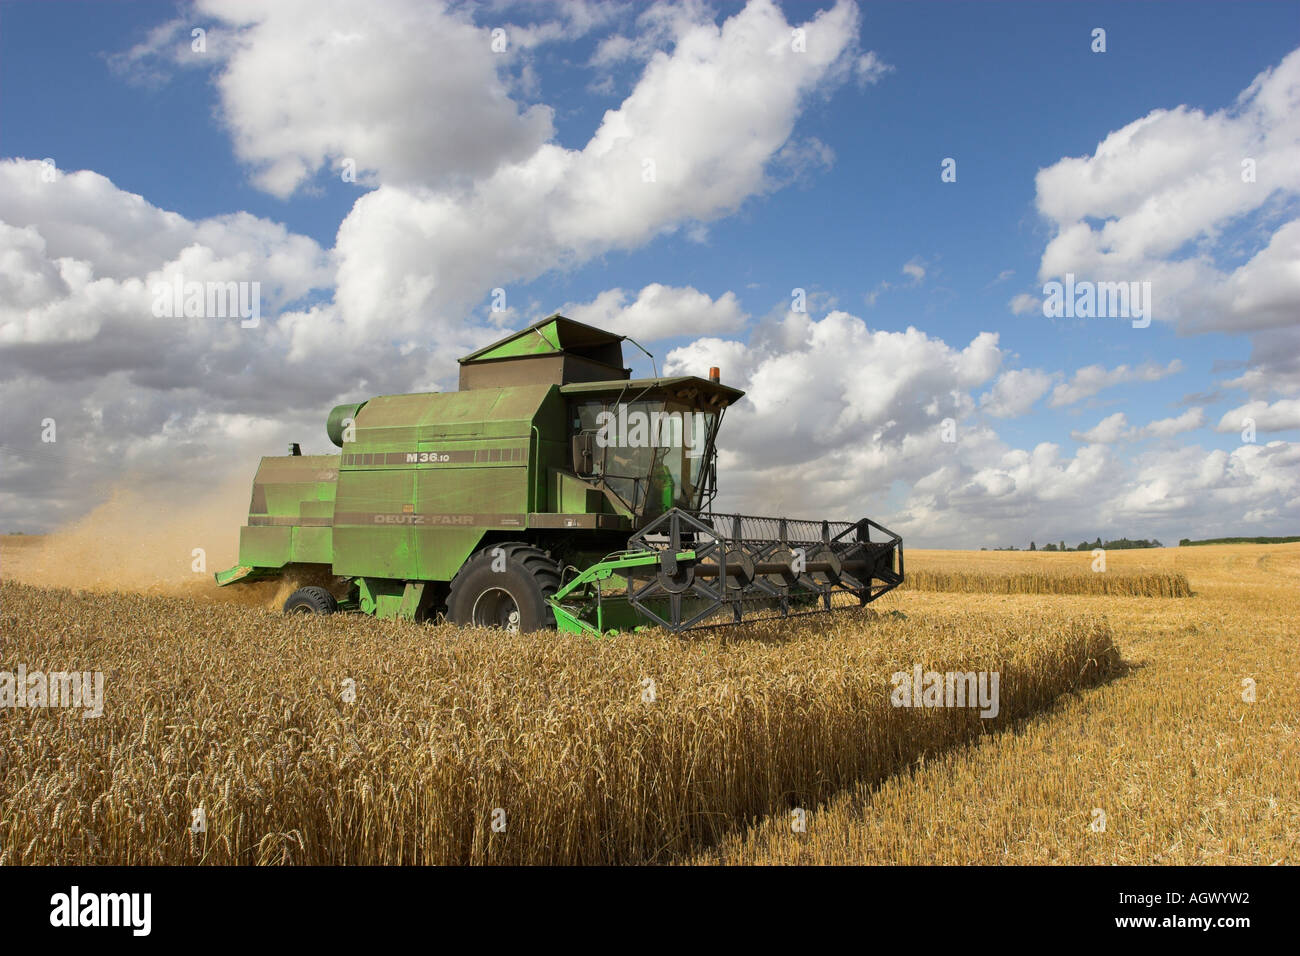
<point x="149" y="541"/>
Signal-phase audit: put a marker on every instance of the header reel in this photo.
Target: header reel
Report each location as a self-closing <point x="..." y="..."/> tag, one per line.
<point x="685" y="571"/>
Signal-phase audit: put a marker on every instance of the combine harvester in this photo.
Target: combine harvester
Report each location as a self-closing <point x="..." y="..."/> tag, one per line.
<point x="552" y="489"/>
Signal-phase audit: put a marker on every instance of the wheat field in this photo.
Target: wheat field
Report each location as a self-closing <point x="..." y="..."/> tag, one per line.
<point x="240" y="712"/>
<point x="469" y="746"/>
<point x="1158" y="584"/>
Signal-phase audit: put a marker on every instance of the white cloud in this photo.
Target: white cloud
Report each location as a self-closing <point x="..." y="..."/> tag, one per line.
<point x="1024" y="304"/>
<point x="1189" y="420"/>
<point x="709" y="116"/>
<point x="1167" y="187"/>
<point x="1091" y="379"/>
<point x="660" y="312"/>
<point x="166" y="46"/>
<point x="1274" y="365"/>
<point x="133" y="392"/>
<point x="914" y="269"/>
<point x="994" y="495"/>
<point x="658" y="27"/>
<point x="1114" y="428"/>
<point x="800" y="160"/>
<point x="1254" y="489"/>
<point x="385" y="90"/>
<point x="82" y="258"/>
<point x="1015" y="392"/>
<point x="1106" y="432"/>
<point x="1282" y="415"/>
<point x="835" y="411"/>
<point x="869" y="68"/>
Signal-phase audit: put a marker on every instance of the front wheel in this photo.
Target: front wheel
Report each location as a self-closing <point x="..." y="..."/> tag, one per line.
<point x="312" y="600"/>
<point x="506" y="586"/>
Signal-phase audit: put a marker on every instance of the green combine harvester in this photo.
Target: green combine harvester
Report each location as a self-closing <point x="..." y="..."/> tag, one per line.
<point x="552" y="489"/>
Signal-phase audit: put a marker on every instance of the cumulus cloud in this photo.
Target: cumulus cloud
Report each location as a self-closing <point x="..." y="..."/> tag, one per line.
<point x="167" y="46"/>
<point x="658" y="27"/>
<point x="1280" y="416"/>
<point x="692" y="141"/>
<point x="997" y="495"/>
<point x="128" y="390"/>
<point x="1175" y="180"/>
<point x="1015" y="392"/>
<point x="1274" y="365"/>
<point x="1091" y="379"/>
<point x="837" y="413"/>
<point x="1258" y="485"/>
<point x="660" y="312"/>
<point x="84" y="257"/>
<point x="1024" y="304"/>
<point x="835" y="410"/>
<point x="1107" y="431"/>
<point x="1189" y="420"/>
<point x="1114" y="428"/>
<point x="345" y="87"/>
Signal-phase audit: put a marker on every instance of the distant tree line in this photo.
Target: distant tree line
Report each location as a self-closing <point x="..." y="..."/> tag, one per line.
<point x="1185" y="542"/>
<point x="1119" y="544"/>
<point x="1125" y="544"/>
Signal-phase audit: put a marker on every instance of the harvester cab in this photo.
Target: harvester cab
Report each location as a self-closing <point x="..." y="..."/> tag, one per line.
<point x="649" y="443"/>
<point x="551" y="489"/>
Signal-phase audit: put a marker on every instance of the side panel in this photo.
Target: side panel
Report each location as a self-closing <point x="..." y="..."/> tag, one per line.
<point x="441" y="551"/>
<point x="291" y="511"/>
<point x="373" y="533"/>
<point x="457" y="503"/>
<point x="264" y="547"/>
<point x="274" y="547"/>
<point x="312" y="545"/>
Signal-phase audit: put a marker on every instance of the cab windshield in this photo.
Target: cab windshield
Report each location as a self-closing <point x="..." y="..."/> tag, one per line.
<point x="652" y="453"/>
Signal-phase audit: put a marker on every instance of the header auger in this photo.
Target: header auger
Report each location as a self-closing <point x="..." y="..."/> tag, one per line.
<point x="552" y="489"/>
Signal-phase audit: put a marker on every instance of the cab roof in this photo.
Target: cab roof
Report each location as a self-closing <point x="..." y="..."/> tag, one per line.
<point x="550" y="336"/>
<point x="684" y="387"/>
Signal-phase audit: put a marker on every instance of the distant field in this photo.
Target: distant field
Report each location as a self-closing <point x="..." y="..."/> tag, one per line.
<point x="239" y="711"/>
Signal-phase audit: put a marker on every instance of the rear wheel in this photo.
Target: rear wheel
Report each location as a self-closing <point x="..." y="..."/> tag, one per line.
<point x="506" y="586"/>
<point x="312" y="600"/>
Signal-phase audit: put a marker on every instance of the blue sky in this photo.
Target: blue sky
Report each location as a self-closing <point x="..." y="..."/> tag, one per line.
<point x="1007" y="89"/>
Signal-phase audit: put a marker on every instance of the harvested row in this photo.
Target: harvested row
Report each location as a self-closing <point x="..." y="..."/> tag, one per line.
<point x="578" y="751"/>
<point x="1193" y="757"/>
<point x="1169" y="584"/>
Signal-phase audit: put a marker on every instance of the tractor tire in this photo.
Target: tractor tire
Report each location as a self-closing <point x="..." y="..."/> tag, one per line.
<point x="513" y="598"/>
<point x="312" y="600"/>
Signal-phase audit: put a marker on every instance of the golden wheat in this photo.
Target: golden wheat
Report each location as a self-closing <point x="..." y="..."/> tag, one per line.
<point x="472" y="746"/>
<point x="1170" y="584"/>
<point x="1193" y="758"/>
